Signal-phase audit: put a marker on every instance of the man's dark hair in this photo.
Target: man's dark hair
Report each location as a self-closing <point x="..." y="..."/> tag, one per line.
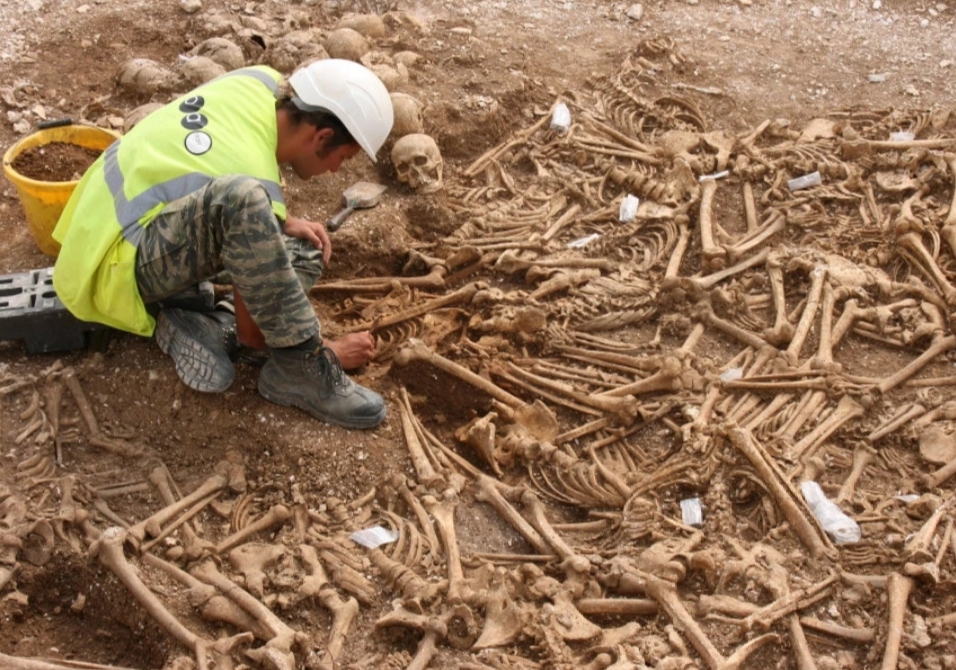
<point x="320" y="119"/>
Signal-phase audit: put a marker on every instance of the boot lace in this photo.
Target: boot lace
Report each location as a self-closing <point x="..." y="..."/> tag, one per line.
<point x="329" y="370"/>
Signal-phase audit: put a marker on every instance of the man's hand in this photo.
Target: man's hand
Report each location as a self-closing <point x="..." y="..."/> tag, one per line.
<point x="313" y="232"/>
<point x="354" y="350"/>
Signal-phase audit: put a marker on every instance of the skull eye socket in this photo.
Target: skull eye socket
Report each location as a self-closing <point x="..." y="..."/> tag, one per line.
<point x="420" y="161"/>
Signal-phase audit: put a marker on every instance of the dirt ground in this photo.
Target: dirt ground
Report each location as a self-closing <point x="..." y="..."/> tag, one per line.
<point x="488" y="71"/>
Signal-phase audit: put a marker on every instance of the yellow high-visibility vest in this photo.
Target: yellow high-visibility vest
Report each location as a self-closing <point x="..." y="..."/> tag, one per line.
<point x="226" y="126"/>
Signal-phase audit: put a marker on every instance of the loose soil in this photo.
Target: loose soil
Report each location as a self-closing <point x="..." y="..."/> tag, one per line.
<point x="56" y="161"/>
<point x="489" y="69"/>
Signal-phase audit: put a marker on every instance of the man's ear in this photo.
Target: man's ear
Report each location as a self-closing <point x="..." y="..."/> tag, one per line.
<point x="321" y="136"/>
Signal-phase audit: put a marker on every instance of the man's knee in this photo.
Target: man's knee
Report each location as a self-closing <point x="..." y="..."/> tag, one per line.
<point x="240" y="192"/>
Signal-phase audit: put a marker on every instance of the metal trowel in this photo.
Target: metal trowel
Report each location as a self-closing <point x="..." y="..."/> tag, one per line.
<point x="360" y="195"/>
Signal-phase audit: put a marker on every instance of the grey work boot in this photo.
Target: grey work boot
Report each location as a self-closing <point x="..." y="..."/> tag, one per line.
<point x="313" y="380"/>
<point x="199" y="344"/>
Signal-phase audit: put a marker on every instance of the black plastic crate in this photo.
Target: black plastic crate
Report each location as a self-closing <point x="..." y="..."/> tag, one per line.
<point x="30" y="311"/>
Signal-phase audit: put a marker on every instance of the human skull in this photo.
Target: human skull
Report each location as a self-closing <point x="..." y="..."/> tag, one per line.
<point x="418" y="162"/>
<point x="408" y="115"/>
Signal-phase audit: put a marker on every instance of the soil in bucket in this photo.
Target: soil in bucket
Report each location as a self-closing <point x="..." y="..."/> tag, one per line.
<point x="56" y="161"/>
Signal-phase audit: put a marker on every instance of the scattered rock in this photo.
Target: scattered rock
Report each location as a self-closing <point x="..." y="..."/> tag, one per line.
<point x="635" y="12"/>
<point x="190" y="6"/>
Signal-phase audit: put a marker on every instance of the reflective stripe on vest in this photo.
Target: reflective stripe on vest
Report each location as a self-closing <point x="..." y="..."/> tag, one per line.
<point x="130" y="212"/>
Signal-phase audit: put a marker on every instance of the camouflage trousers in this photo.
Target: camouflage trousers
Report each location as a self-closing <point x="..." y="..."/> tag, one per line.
<point x="229" y="225"/>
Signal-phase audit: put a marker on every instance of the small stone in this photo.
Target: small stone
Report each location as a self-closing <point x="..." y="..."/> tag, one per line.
<point x="877" y="4"/>
<point x="190" y="6"/>
<point x="635" y="12"/>
<point x="82" y="9"/>
<point x="945" y="64"/>
<point x="816" y="12"/>
<point x="912" y="91"/>
<point x="876" y="78"/>
<point x="924" y="23"/>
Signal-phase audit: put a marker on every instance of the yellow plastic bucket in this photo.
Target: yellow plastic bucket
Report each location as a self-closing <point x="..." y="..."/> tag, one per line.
<point x="43" y="201"/>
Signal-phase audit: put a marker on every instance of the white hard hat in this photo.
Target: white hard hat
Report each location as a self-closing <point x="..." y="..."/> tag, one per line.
<point x="352" y="93"/>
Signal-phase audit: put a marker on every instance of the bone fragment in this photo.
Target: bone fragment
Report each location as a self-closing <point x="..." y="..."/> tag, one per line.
<point x="697" y="286"/>
<point x="936" y="478"/>
<point x="912" y="245"/>
<point x="277" y="653"/>
<point x="898" y="590"/>
<point x="461" y="296"/>
<point x="21" y="663"/>
<point x="276" y="516"/>
<point x="817" y="279"/>
<point x="420" y="461"/>
<point x="215" y="607"/>
<point x="905" y="415"/>
<point x="846" y="410"/>
<point x="626" y="409"/>
<point x="214" y="484"/>
<point x="940" y="345"/>
<point x="859" y="635"/>
<point x="579" y="564"/>
<point x="667" y="378"/>
<point x="780" y="589"/>
<point x="782" y="330"/>
<point x="503" y="621"/>
<point x="745" y="336"/>
<point x="794" y="507"/>
<point x="489" y="492"/>
<point x="109" y="550"/>
<point x="193" y="544"/>
<point x="443" y="512"/>
<point x="683" y="239"/>
<point x="343" y="614"/>
<point x="948" y="230"/>
<point x="918" y="547"/>
<point x="862" y="456"/>
<point x="416" y="350"/>
<point x="665" y="594"/>
<point x="617" y="606"/>
<point x="774" y="224"/>
<point x="713" y="257"/>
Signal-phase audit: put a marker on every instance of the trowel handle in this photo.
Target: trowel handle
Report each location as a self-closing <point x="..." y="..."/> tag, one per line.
<point x="338" y="219"/>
